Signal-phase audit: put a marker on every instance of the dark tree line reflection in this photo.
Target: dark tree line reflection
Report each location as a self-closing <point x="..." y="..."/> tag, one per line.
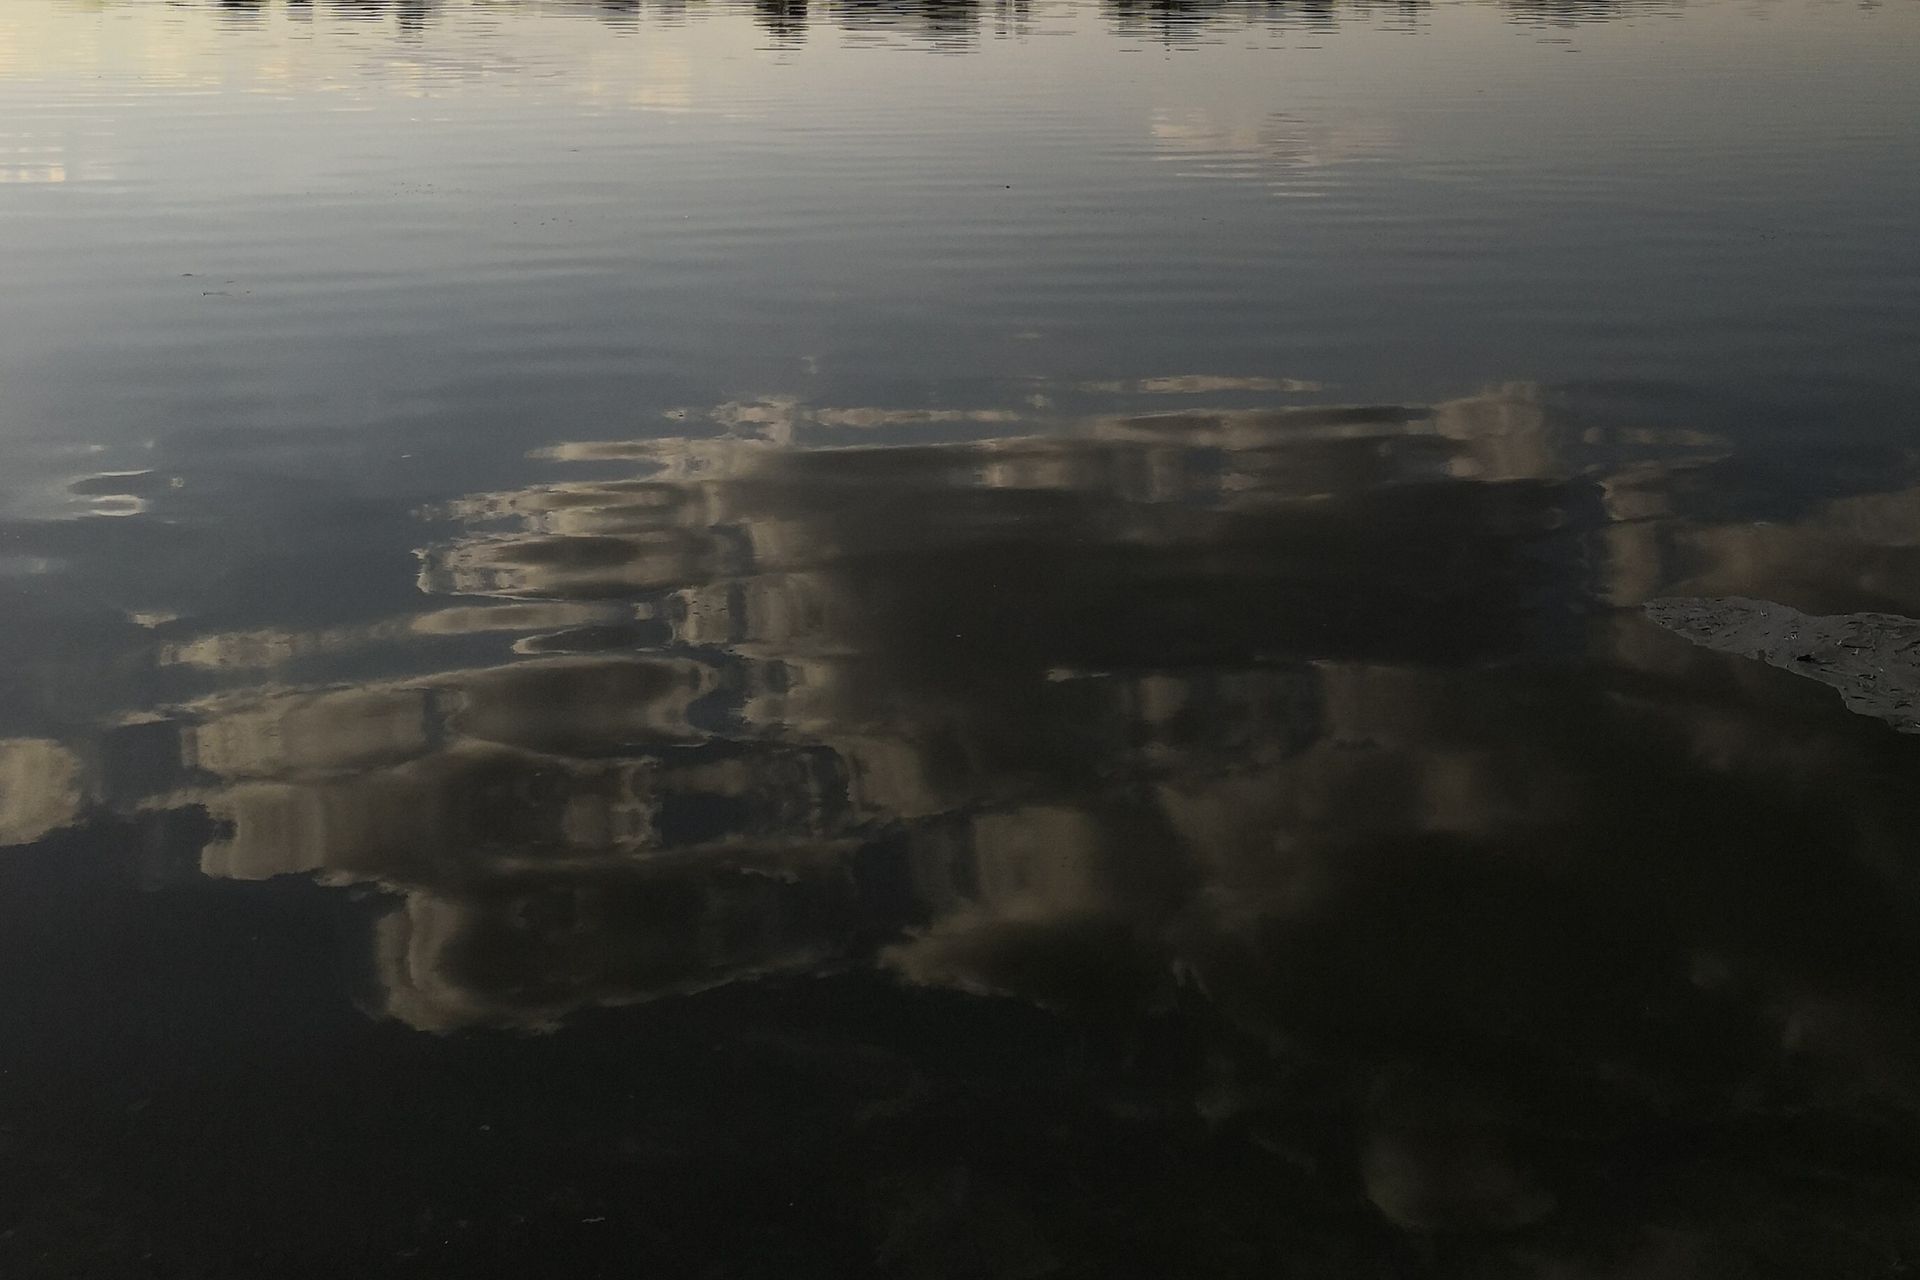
<point x="1312" y="757"/>
<point x="957" y="23"/>
<point x="1174" y="21"/>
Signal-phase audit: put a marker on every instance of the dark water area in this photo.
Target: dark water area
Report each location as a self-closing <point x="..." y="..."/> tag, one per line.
<point x="959" y="639"/>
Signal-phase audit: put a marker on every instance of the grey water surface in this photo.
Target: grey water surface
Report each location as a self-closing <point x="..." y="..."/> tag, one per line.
<point x="959" y="639"/>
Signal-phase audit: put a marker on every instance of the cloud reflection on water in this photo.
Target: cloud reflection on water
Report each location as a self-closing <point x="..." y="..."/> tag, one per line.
<point x="1316" y="726"/>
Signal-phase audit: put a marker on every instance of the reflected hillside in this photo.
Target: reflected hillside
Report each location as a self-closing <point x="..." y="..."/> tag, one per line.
<point x="1320" y="738"/>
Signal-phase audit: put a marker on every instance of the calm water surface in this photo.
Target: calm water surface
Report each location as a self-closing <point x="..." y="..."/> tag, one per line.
<point x="959" y="639"/>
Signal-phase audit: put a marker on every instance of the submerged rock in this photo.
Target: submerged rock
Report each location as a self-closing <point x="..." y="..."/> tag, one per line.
<point x="1872" y="659"/>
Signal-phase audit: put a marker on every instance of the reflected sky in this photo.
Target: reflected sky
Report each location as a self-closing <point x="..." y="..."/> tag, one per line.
<point x="668" y="208"/>
<point x="992" y="640"/>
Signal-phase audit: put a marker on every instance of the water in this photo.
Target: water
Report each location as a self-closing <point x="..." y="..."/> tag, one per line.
<point x="984" y="640"/>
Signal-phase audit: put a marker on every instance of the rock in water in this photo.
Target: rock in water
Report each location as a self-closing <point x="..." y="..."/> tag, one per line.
<point x="1873" y="659"/>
